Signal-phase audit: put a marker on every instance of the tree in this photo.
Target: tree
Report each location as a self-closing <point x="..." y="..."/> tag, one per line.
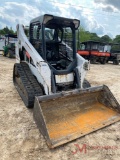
<point x="94" y="37"/>
<point x="11" y="30"/>
<point x="106" y="39"/>
<point x="117" y="39"/>
<point x="83" y="35"/>
<point x="2" y="32"/>
<point x="6" y="30"/>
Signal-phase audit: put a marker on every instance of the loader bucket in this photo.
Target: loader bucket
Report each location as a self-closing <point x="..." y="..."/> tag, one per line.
<point x="65" y="116"/>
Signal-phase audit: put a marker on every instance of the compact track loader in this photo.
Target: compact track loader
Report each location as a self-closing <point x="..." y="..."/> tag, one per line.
<point x="50" y="76"/>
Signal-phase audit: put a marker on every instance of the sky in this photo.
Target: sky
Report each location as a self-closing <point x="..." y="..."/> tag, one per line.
<point x="97" y="16"/>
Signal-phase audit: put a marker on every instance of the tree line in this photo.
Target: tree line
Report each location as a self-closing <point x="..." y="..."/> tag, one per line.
<point x="6" y="30"/>
<point x="86" y="35"/>
<point x="82" y="36"/>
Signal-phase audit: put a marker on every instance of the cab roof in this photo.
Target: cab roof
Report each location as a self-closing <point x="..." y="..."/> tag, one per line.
<point x="55" y="20"/>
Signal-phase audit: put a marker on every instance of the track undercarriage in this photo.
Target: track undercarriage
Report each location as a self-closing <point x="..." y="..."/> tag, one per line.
<point x="26" y="84"/>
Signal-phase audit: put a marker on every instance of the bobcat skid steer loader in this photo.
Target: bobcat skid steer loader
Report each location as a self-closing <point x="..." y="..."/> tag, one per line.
<point x="50" y="76"/>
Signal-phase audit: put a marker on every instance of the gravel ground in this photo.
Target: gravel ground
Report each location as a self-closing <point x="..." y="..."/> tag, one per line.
<point x="21" y="140"/>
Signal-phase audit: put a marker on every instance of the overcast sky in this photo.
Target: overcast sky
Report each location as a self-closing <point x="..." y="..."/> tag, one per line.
<point x="99" y="16"/>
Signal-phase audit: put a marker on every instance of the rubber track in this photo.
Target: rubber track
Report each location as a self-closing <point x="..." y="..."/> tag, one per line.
<point x="29" y="87"/>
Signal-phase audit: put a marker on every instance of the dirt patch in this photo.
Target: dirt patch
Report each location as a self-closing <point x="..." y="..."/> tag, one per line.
<point x="21" y="140"/>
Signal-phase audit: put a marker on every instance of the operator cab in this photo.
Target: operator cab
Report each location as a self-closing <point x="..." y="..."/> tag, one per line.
<point x="55" y="40"/>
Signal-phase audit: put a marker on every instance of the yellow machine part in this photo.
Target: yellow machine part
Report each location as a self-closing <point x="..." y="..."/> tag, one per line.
<point x="65" y="117"/>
